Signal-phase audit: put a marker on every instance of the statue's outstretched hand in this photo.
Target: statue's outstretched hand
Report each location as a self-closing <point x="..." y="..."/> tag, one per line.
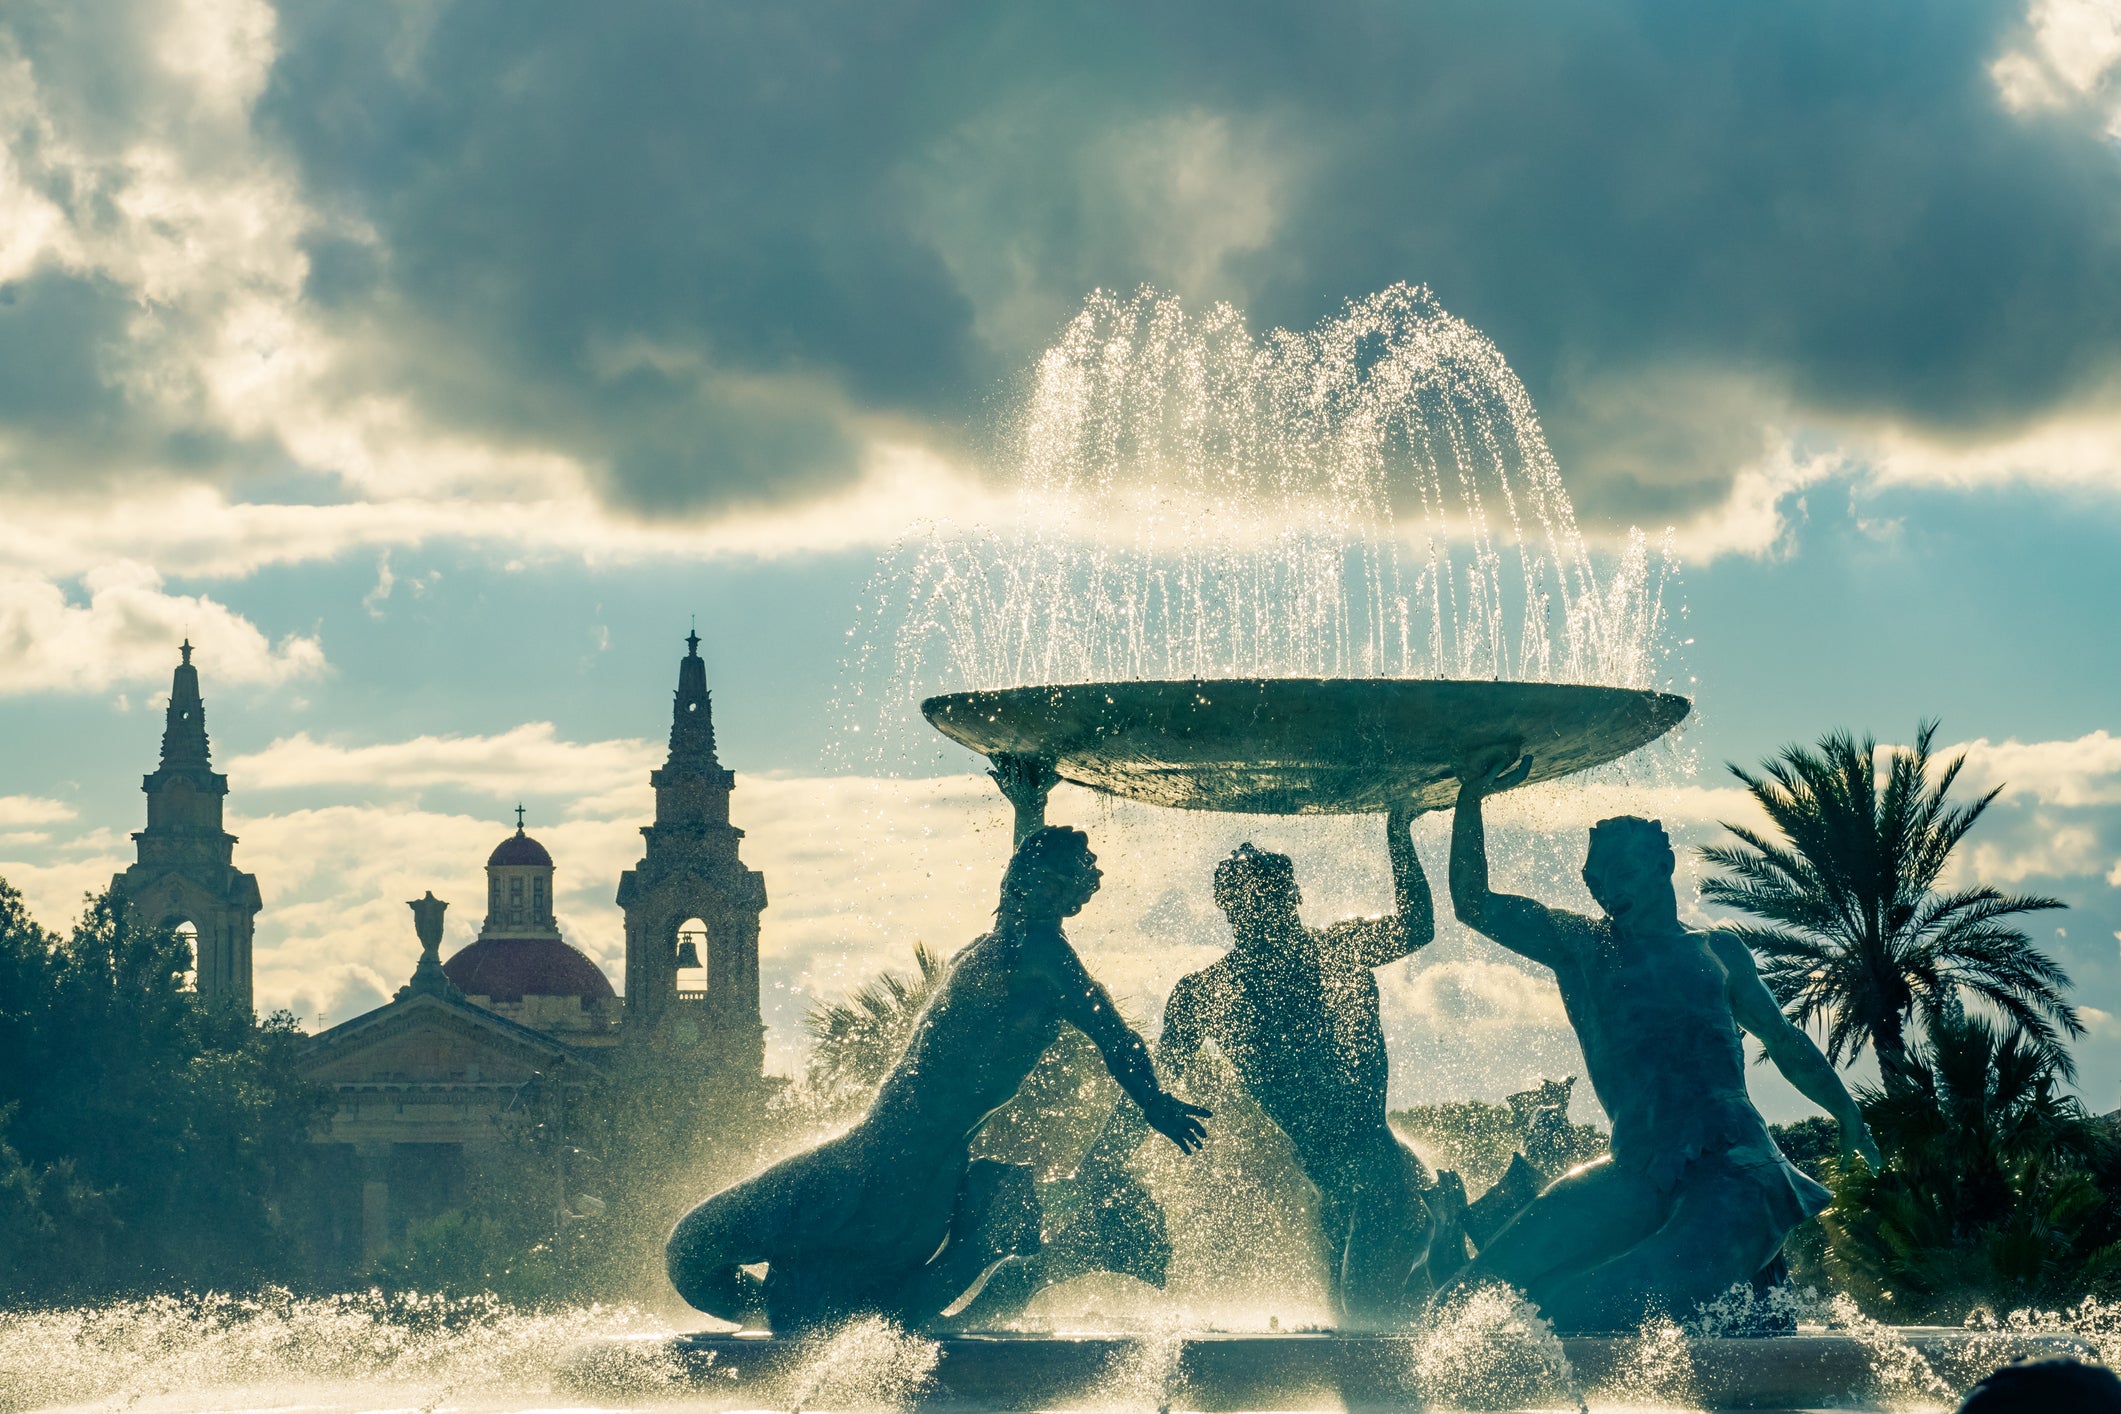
<point x="1856" y="1139"/>
<point x="1493" y="771"/>
<point x="1177" y="1121"/>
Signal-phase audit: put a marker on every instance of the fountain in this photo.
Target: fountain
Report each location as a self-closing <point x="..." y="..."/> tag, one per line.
<point x="1303" y="574"/>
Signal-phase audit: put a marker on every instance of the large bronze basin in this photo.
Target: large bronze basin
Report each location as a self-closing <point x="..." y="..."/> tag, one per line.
<point x="1300" y="746"/>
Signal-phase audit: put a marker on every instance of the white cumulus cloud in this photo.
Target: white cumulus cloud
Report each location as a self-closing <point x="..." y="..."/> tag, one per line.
<point x="126" y="631"/>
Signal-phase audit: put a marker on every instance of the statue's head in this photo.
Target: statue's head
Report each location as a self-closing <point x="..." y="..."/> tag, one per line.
<point x="1256" y="890"/>
<point x="1629" y="865"/>
<point x="1051" y="875"/>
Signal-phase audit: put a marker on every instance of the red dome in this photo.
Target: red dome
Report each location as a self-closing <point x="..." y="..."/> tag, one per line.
<point x="510" y="969"/>
<point x="519" y="848"/>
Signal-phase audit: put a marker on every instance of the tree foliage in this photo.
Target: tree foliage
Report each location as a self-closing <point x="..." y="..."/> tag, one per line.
<point x="148" y="1137"/>
<point x="852" y="1043"/>
<point x="1856" y="931"/>
<point x="1998" y="1186"/>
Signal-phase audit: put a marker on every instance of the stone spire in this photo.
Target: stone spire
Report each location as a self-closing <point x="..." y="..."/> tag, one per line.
<point x="692" y="714"/>
<point x="690" y="869"/>
<point x="184" y="746"/>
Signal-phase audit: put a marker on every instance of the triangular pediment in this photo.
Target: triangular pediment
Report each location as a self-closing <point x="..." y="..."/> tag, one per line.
<point x="426" y="1039"/>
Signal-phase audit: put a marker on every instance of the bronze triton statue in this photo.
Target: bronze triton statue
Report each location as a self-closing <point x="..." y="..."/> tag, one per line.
<point x="1295" y="1011"/>
<point x="1694" y="1196"/>
<point x="894" y="1217"/>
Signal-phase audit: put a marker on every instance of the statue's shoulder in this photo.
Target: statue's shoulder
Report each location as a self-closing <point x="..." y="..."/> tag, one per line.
<point x="1195" y="988"/>
<point x="1729" y="948"/>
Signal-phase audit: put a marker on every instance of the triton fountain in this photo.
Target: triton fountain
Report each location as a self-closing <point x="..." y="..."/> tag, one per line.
<point x="1301" y="574"/>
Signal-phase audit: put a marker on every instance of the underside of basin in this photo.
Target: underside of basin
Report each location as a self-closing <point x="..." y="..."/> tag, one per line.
<point x="1301" y="746"/>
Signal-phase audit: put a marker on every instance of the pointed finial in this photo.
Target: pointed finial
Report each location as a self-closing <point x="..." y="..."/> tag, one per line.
<point x="519" y="817"/>
<point x="692" y="639"/>
<point x="185" y="649"/>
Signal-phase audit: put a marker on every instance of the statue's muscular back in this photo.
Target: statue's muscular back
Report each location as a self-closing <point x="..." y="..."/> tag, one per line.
<point x="1300" y="1025"/>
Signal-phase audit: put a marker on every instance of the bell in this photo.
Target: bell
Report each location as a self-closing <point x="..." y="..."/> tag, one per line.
<point x="688" y="954"/>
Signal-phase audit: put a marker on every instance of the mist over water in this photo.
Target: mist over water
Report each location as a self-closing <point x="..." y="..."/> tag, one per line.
<point x="367" y="1354"/>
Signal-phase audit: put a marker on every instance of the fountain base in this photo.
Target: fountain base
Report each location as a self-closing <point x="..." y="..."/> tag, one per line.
<point x="1208" y="1372"/>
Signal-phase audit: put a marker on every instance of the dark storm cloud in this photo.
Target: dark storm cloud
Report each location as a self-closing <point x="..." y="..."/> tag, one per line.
<point x="1640" y="203"/>
<point x="65" y="344"/>
<point x="712" y="247"/>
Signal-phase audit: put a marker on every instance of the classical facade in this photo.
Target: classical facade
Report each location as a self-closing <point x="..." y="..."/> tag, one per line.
<point x="185" y="874"/>
<point x="432" y="1076"/>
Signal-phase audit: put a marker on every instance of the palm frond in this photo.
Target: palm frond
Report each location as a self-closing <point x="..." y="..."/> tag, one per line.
<point x="1854" y="932"/>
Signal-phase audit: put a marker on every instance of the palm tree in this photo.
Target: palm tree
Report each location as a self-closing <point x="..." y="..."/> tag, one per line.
<point x="1856" y="932"/>
<point x="854" y="1042"/>
<point x="1993" y="1187"/>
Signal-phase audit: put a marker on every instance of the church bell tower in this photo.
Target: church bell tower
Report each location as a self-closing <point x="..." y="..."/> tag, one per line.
<point x="690" y="874"/>
<point x="185" y="871"/>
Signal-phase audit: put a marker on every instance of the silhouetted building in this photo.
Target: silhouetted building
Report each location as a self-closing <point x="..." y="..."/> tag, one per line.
<point x="432" y="1075"/>
<point x="185" y="875"/>
<point x="417" y="1083"/>
<point x="520" y="966"/>
<point x="692" y="908"/>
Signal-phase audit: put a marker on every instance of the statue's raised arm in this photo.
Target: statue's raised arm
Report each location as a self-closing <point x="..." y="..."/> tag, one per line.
<point x="1374" y="942"/>
<point x="1530" y="929"/>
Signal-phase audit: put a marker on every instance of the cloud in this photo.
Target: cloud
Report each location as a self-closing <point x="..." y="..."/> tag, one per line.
<point x="125" y="633"/>
<point x="2082" y="772"/>
<point x="320" y="280"/>
<point x="33" y="810"/>
<point x="526" y="760"/>
<point x="2072" y="47"/>
<point x="2038" y="847"/>
<point x="63" y="870"/>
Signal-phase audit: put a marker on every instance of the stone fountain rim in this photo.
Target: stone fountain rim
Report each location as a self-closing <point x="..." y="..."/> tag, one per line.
<point x="1300" y="745"/>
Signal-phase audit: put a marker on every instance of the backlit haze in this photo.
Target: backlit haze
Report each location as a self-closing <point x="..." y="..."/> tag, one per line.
<point x="431" y="367"/>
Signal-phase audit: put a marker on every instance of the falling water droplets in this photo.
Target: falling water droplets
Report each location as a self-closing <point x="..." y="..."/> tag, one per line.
<point x="1371" y="497"/>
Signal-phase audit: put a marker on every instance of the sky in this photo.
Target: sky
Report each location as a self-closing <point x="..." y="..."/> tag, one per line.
<point x="433" y="366"/>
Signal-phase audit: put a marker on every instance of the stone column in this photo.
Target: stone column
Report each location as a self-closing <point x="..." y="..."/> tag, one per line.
<point x="375" y="1198"/>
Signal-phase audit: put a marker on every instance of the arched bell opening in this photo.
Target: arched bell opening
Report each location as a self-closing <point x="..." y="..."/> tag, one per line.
<point x="692" y="959"/>
<point x="188" y="934"/>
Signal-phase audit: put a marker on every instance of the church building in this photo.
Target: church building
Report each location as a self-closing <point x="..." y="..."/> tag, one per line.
<point x="428" y="1078"/>
<point x="185" y="876"/>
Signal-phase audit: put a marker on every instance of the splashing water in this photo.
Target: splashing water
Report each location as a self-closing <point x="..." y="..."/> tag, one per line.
<point x="1901" y="1376"/>
<point x="1489" y="1349"/>
<point x="1373" y="497"/>
<point x="413" y="1347"/>
<point x="867" y="1364"/>
<point x="1656" y="1369"/>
